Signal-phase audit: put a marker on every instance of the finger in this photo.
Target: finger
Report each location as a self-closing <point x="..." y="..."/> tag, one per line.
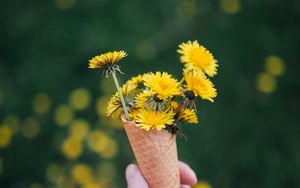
<point x="185" y="186"/>
<point x="187" y="175"/>
<point x="134" y="178"/>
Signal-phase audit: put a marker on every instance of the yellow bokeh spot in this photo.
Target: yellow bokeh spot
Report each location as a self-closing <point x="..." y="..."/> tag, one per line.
<point x="101" y="106"/>
<point x="30" y="128"/>
<point x="274" y="65"/>
<point x="93" y="184"/>
<point x="80" y="99"/>
<point x="82" y="174"/>
<point x="63" y="115"/>
<point x="266" y="83"/>
<point x="110" y="150"/>
<point x="6" y="134"/>
<point x="55" y="173"/>
<point x="97" y="141"/>
<point x="230" y="6"/>
<point x="71" y="148"/>
<point x="36" y="185"/>
<point x="65" y="4"/>
<point x="41" y="103"/>
<point x="202" y="185"/>
<point x="79" y="129"/>
<point x="13" y="122"/>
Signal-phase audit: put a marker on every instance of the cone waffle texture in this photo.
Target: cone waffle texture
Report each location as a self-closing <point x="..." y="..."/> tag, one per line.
<point x="156" y="154"/>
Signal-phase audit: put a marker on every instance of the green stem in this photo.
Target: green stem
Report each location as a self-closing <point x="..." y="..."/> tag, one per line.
<point x="121" y="95"/>
<point x="181" y="81"/>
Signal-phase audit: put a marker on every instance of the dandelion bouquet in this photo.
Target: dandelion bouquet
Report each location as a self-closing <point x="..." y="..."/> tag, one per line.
<point x="152" y="107"/>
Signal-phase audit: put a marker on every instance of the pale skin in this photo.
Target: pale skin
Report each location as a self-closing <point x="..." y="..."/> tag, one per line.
<point x="135" y="179"/>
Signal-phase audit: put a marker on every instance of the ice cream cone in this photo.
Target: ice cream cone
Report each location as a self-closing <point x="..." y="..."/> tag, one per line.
<point x="156" y="154"/>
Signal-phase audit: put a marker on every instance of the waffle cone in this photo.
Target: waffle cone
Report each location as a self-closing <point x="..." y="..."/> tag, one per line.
<point x="156" y="154"/>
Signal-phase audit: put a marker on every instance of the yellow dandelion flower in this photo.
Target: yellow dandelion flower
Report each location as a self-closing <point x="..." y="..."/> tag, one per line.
<point x="196" y="56"/>
<point x="134" y="112"/>
<point x="197" y="82"/>
<point x="142" y="98"/>
<point x="162" y="84"/>
<point x="148" y="119"/>
<point x="131" y="85"/>
<point x="135" y="81"/>
<point x="173" y="105"/>
<point x="106" y="59"/>
<point x="188" y="115"/>
<point x="114" y="104"/>
<point x="127" y="89"/>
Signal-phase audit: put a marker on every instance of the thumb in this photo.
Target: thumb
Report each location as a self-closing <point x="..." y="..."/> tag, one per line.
<point x="134" y="178"/>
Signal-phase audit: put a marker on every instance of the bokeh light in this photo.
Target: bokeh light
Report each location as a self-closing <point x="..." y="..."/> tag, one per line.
<point x="72" y="147"/>
<point x="41" y="103"/>
<point x="230" y="6"/>
<point x="80" y="99"/>
<point x="266" y="83"/>
<point x="63" y="115"/>
<point x="79" y="128"/>
<point x="6" y="134"/>
<point x="13" y="122"/>
<point x="82" y="174"/>
<point x="30" y="128"/>
<point x="110" y="150"/>
<point x="97" y="141"/>
<point x="274" y="65"/>
<point x="202" y="184"/>
<point x="101" y="105"/>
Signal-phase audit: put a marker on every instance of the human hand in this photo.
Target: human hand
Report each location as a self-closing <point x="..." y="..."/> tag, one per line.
<point x="135" y="179"/>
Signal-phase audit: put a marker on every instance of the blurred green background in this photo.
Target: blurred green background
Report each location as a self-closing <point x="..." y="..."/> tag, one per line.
<point x="53" y="132"/>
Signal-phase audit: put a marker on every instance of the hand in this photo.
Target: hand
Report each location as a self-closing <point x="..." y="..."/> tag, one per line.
<point x="135" y="179"/>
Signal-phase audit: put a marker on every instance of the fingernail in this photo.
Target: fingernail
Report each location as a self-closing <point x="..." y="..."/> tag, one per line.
<point x="131" y="171"/>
